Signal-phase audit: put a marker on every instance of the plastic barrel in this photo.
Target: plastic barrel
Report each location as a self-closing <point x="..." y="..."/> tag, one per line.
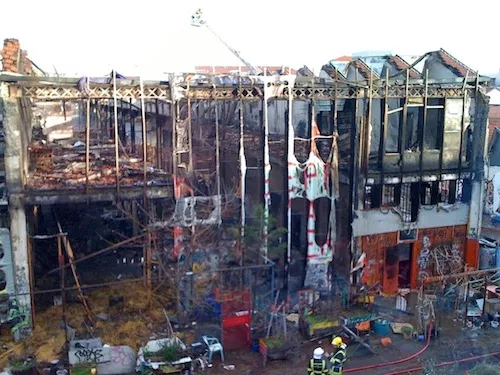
<point x="381" y="327"/>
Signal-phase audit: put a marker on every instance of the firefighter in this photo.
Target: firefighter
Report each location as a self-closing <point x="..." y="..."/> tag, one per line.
<point x="338" y="358"/>
<point x="317" y="365"/>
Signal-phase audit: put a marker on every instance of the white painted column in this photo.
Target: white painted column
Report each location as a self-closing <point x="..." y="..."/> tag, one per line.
<point x="16" y="138"/>
<point x="19" y="244"/>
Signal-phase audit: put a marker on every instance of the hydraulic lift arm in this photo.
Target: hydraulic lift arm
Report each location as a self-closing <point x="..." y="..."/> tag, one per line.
<point x="198" y="21"/>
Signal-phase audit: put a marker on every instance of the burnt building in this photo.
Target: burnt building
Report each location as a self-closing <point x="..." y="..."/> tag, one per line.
<point x="377" y="157"/>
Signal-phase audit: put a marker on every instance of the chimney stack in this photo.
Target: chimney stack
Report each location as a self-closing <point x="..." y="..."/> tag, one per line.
<point x="14" y="59"/>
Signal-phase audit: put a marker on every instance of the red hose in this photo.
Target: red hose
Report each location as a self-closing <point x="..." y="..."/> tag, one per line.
<point x="444" y="363"/>
<point x="384" y="364"/>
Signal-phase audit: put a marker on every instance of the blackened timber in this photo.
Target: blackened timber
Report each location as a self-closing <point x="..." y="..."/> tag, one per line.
<point x="96" y="194"/>
<point x="158" y="135"/>
<point x="383" y="129"/>
<point x="87" y="143"/>
<point x="132" y="127"/>
<point x="355" y="156"/>
<point x="424" y="123"/>
<point x="441" y="141"/>
<point x="367" y="128"/>
<point x="402" y="132"/>
<point x="462" y="125"/>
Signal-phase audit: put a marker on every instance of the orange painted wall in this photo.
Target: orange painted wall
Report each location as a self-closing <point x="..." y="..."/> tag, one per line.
<point x="374" y="246"/>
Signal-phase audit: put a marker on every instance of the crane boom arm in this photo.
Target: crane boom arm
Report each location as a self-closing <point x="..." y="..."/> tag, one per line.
<point x="254" y="70"/>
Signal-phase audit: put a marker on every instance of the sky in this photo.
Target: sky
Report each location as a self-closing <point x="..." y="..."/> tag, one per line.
<point x="151" y="37"/>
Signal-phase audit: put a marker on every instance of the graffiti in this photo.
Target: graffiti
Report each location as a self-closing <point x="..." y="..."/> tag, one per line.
<point x="119" y="356"/>
<point x="90" y="355"/>
<point x="316" y="276"/>
<point x="123" y="361"/>
<point x="423" y="258"/>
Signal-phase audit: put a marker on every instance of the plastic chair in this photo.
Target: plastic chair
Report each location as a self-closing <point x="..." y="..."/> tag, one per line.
<point x="214" y="346"/>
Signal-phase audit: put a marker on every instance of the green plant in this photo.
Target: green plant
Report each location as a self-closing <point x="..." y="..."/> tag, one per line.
<point x="82" y="369"/>
<point x="167" y="353"/>
<point x="20" y="363"/>
<point x="274" y="342"/>
<point x="253" y="240"/>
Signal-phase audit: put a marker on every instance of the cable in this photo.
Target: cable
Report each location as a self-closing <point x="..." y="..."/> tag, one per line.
<point x="406" y="371"/>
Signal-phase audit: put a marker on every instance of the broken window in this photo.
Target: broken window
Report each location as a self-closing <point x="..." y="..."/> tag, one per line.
<point x="373" y="196"/>
<point x="414" y="119"/>
<point x="325" y="123"/>
<point x="382" y="196"/>
<point x="464" y="190"/>
<point x="433" y="132"/>
<point x="392" y="128"/>
<point x="391" y="195"/>
<point x="429" y="193"/>
<point x="409" y="202"/>
<point x="444" y="192"/>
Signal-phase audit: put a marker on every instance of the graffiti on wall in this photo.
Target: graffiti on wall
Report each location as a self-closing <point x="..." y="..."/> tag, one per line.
<point x="123" y="361"/>
<point x="424" y="258"/>
<point x="90" y="355"/>
<point x="449" y="240"/>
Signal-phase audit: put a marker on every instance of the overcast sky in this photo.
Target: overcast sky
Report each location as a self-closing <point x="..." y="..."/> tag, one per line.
<point x="91" y="37"/>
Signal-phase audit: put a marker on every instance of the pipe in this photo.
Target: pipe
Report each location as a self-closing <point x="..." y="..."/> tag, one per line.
<point x="377" y="365"/>
<point x="445" y="363"/>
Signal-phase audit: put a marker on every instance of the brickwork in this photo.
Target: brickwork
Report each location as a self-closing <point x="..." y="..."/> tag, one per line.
<point x="14" y="59"/>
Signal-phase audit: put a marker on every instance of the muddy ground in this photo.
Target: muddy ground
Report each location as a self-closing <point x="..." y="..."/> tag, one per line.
<point x="454" y="343"/>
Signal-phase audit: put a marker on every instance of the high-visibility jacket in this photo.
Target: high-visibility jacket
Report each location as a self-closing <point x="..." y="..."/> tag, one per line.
<point x="337" y="362"/>
<point x="317" y="367"/>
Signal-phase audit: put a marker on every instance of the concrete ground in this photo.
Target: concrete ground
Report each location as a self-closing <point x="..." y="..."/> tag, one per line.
<point x="454" y="343"/>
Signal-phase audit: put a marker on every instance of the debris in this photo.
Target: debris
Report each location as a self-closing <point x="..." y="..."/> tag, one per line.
<point x="398" y="328"/>
<point x="386" y="341"/>
<point x="229" y="367"/>
<point x="102" y="317"/>
<point x="115" y="300"/>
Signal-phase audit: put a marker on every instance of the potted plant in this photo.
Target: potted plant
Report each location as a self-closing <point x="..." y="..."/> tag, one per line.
<point x="22" y="365"/>
<point x="407" y="332"/>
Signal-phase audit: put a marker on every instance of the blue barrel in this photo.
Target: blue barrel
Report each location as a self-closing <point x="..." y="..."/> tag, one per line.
<point x="381" y="327"/>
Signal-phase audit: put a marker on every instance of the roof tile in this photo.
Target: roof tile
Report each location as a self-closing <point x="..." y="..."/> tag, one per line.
<point x="456" y="66"/>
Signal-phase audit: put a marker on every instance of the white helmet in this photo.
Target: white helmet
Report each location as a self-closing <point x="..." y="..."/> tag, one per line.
<point x="318" y="353"/>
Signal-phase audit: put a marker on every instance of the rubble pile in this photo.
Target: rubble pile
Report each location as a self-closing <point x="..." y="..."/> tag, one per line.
<point x="131" y="321"/>
<point x="58" y="165"/>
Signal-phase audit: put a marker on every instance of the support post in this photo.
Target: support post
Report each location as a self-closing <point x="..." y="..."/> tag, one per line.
<point x="190" y="129"/>
<point x="267" y="167"/>
<point x="243" y="170"/>
<point x="16" y="151"/>
<point x="367" y="130"/>
<point x="87" y="141"/>
<point x="383" y="130"/>
<point x="115" y="113"/>
<point x="402" y="134"/>
<point x="462" y="125"/>
<point x="290" y="153"/>
<point x="158" y="136"/>
<point x="424" y="123"/>
<point x="62" y="274"/>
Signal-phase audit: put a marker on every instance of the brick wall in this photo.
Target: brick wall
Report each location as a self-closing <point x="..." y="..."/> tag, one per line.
<point x="14" y="59"/>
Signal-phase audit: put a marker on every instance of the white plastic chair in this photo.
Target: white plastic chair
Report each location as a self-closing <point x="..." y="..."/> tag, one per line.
<point x="214" y="346"/>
